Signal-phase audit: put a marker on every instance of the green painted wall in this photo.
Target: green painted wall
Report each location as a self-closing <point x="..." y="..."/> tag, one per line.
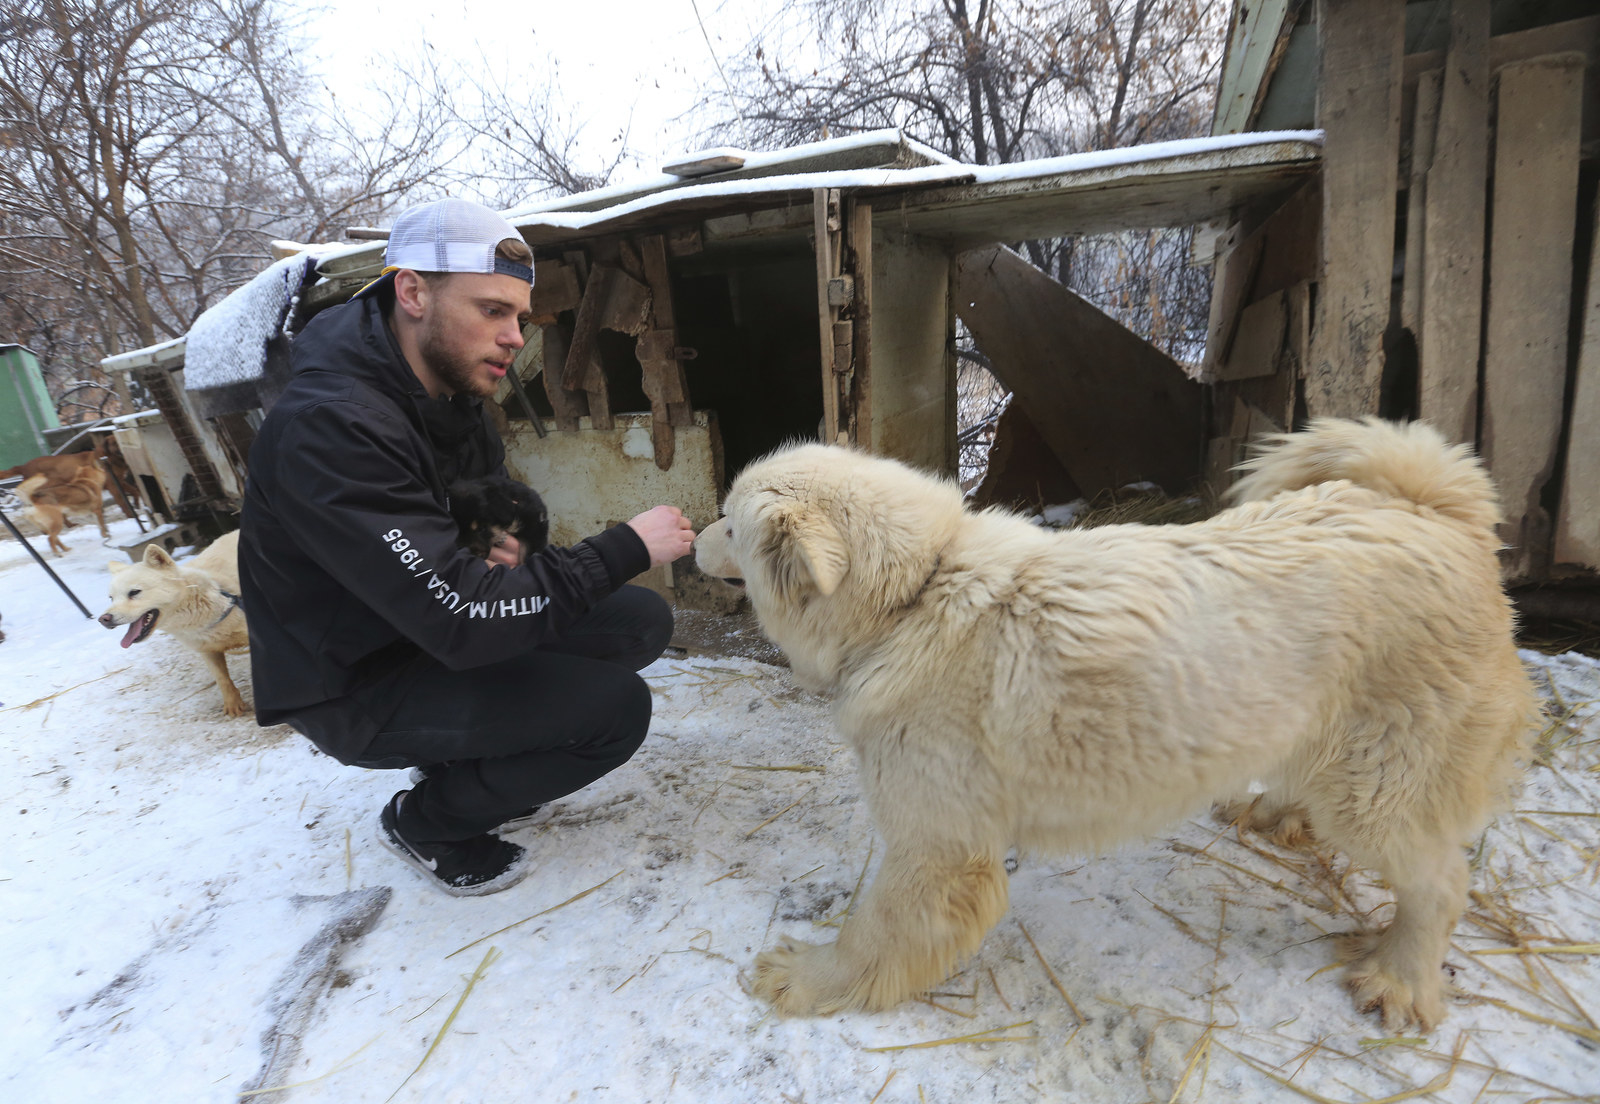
<point x="25" y="407"/>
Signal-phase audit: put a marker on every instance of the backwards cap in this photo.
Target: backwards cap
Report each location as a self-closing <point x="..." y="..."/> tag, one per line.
<point x="452" y="235"/>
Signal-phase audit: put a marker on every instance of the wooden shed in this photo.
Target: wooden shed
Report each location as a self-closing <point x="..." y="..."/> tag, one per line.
<point x="1441" y="264"/>
<point x="685" y="326"/>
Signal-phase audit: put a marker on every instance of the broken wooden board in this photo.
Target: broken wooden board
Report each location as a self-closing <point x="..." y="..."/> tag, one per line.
<point x="1023" y="470"/>
<point x="1530" y="288"/>
<point x="555" y="289"/>
<point x="662" y="375"/>
<point x="1112" y="407"/>
<point x="1359" y="111"/>
<point x="569" y="406"/>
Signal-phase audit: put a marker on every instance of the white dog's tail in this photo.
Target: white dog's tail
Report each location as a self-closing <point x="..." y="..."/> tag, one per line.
<point x="1410" y="461"/>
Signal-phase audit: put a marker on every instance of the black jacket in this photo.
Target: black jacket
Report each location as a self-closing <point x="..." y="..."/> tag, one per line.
<point x="348" y="564"/>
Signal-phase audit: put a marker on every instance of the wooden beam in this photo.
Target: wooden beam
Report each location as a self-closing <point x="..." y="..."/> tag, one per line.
<point x="1359" y="111"/>
<point x="1578" y="524"/>
<point x="1456" y="186"/>
<point x="826" y="228"/>
<point x="1538" y="116"/>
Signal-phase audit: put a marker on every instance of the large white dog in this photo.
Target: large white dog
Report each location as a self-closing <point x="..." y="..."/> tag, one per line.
<point x="1341" y="638"/>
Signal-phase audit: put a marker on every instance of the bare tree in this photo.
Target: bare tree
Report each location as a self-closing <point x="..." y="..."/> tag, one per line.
<point x="153" y="149"/>
<point x="995" y="81"/>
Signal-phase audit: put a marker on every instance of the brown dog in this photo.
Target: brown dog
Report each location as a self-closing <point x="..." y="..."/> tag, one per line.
<point x="49" y="501"/>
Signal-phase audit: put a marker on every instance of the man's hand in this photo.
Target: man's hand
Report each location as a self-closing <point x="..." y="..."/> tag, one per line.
<point x="507" y="551"/>
<point x="665" y="532"/>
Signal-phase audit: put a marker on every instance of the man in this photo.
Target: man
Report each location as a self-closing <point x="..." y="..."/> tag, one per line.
<point x="371" y="631"/>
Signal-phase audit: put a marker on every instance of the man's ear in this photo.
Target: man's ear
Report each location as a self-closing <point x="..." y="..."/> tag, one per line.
<point x="410" y="293"/>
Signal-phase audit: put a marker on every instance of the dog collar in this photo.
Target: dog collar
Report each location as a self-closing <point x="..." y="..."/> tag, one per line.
<point x="233" y="604"/>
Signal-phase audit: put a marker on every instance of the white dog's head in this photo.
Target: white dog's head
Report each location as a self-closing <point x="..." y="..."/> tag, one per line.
<point x="142" y="592"/>
<point x="828" y="542"/>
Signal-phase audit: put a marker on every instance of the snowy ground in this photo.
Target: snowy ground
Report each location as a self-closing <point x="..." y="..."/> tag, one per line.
<point x="167" y="867"/>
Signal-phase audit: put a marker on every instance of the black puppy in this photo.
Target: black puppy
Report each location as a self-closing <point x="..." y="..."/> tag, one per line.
<point x="492" y="508"/>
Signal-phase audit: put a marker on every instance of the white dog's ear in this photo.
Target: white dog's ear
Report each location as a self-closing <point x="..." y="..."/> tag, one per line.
<point x="821" y="549"/>
<point x="156" y="556"/>
<point x="116" y="565"/>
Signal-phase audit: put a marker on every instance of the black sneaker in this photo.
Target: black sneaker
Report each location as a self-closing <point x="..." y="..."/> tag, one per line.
<point x="520" y="821"/>
<point x="462" y="868"/>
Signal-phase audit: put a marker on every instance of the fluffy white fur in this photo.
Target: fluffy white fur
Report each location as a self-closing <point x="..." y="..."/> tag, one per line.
<point x="189" y="600"/>
<point x="1341" y="636"/>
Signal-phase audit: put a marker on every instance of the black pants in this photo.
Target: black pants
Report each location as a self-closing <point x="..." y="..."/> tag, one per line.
<point x="500" y="739"/>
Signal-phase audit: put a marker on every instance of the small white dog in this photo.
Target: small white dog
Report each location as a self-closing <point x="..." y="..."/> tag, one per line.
<point x="1341" y="637"/>
<point x="197" y="602"/>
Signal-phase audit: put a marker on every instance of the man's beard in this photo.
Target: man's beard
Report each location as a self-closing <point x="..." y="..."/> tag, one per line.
<point x="454" y="370"/>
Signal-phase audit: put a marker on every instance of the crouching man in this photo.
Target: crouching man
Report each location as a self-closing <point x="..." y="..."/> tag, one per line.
<point x="506" y="684"/>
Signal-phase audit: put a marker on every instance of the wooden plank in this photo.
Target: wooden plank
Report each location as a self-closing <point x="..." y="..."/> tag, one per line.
<point x="825" y="229"/>
<point x="663" y="313"/>
<point x="1582" y="34"/>
<point x="583" y="351"/>
<point x="657" y="350"/>
<point x="1577" y="542"/>
<point x="1423" y="129"/>
<point x="860" y="239"/>
<point x="1232" y="289"/>
<point x="1530" y="284"/>
<point x="555" y="288"/>
<point x="1359" y="111"/>
<point x="627" y="305"/>
<point x="913" y="358"/>
<point x="1282" y="252"/>
<point x="1254" y="46"/>
<point x="569" y="406"/>
<point x="1114" y="408"/>
<point x="1258" y="346"/>
<point x="1451" y="306"/>
<point x="1056" y="197"/>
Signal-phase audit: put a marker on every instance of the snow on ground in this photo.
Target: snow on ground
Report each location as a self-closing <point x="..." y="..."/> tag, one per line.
<point x="166" y="866"/>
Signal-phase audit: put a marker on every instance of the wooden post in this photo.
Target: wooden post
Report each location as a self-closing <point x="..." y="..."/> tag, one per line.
<point x="1451" y="308"/>
<point x="861" y="251"/>
<point x="1358" y="108"/>
<point x="826" y="226"/>
<point x="1539" y="106"/>
<point x="1578" y="524"/>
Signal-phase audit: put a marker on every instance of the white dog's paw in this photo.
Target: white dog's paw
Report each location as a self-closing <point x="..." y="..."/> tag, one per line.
<point x="1403" y="1003"/>
<point x="800" y="979"/>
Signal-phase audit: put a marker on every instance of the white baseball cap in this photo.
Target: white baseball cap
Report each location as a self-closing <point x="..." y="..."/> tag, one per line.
<point x="452" y="235"/>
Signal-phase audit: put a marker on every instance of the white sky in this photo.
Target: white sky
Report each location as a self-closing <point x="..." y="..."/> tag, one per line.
<point x="627" y="69"/>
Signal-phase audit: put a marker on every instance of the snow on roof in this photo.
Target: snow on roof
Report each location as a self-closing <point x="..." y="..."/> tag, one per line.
<point x="665" y="195"/>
